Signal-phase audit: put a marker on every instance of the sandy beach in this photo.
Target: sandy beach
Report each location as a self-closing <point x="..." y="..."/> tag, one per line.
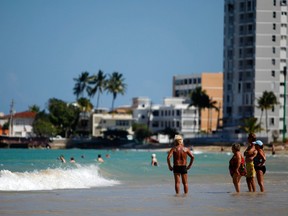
<point x="280" y="149"/>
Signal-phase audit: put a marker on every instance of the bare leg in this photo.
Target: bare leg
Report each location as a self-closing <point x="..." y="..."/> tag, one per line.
<point x="253" y="185"/>
<point x="177" y="182"/>
<point x="248" y="180"/>
<point x="236" y="182"/>
<point x="260" y="179"/>
<point x="185" y="182"/>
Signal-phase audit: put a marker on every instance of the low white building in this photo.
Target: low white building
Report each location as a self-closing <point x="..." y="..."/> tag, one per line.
<point x="104" y="121"/>
<point x="21" y="124"/>
<point x="174" y="113"/>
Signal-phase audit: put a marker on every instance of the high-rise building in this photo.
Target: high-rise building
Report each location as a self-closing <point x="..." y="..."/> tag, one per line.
<point x="255" y="60"/>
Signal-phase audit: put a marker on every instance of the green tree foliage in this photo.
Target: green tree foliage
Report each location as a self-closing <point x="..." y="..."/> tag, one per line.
<point x="266" y="102"/>
<point x="141" y="131"/>
<point x="211" y="105"/>
<point x="115" y="86"/>
<point x="34" y="108"/>
<point x="63" y="116"/>
<point x="81" y="84"/>
<point x="97" y="83"/>
<point x="171" y="132"/>
<point x="199" y="99"/>
<point x="42" y="126"/>
<point x="250" y="125"/>
<point x="5" y="126"/>
<point x="84" y="104"/>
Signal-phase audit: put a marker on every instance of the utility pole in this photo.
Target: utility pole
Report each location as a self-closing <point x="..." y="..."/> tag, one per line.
<point x="11" y="119"/>
<point x="284" y="107"/>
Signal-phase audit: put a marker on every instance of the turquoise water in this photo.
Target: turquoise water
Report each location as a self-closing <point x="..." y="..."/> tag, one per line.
<point x="35" y="182"/>
<point x="129" y="166"/>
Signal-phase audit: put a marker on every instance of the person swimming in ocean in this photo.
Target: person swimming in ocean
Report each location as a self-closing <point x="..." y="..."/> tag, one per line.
<point x="154" y="161"/>
<point x="180" y="168"/>
<point x="62" y="159"/>
<point x="72" y="160"/>
<point x="100" y="159"/>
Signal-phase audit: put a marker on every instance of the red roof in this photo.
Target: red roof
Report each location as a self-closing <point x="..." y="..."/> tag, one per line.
<point x="26" y="114"/>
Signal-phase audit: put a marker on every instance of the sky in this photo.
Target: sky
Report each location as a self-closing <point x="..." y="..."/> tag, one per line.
<point x="45" y="44"/>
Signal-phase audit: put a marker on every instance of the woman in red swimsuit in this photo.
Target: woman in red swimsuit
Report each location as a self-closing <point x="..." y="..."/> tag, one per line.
<point x="237" y="166"/>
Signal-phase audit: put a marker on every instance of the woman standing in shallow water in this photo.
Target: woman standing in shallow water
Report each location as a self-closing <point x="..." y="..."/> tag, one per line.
<point x="259" y="164"/>
<point x="250" y="153"/>
<point x="236" y="166"/>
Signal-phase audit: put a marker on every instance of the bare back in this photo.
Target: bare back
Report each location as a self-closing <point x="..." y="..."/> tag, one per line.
<point x="179" y="156"/>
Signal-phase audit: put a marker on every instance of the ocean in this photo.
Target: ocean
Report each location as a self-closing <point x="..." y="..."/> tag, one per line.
<point x="36" y="182"/>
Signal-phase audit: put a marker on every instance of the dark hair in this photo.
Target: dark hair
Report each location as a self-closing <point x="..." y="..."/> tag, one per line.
<point x="236" y="146"/>
<point x="252" y="136"/>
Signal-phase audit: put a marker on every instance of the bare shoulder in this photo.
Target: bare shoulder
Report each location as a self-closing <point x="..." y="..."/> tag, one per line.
<point x="185" y="149"/>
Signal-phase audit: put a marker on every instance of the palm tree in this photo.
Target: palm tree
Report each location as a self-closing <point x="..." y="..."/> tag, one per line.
<point x="250" y="125"/>
<point x="211" y="105"/>
<point x="84" y="104"/>
<point x="34" y="108"/>
<point x="81" y="84"/>
<point x="266" y="102"/>
<point x="98" y="82"/>
<point x="199" y="99"/>
<point x="115" y="85"/>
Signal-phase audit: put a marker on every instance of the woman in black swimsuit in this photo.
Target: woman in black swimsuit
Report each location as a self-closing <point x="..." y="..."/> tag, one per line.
<point x="259" y="164"/>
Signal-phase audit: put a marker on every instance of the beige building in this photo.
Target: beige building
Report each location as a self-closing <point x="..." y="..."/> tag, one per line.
<point x="212" y="83"/>
<point x="104" y="121"/>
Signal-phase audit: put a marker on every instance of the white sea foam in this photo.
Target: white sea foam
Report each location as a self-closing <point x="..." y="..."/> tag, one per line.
<point x="51" y="179"/>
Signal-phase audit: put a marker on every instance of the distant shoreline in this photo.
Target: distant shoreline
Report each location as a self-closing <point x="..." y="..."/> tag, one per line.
<point x="279" y="149"/>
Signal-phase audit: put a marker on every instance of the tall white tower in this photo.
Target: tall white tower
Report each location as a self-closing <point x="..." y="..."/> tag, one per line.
<point x="255" y="58"/>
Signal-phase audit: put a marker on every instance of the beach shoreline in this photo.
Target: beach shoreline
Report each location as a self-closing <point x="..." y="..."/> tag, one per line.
<point x="279" y="149"/>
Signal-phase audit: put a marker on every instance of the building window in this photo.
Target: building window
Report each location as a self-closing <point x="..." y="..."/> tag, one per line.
<point x="122" y="122"/>
<point x="273" y="73"/>
<point x="273" y="50"/>
<point x="239" y="87"/>
<point x="248" y="86"/>
<point x="283" y="2"/>
<point x="274" y="26"/>
<point x="155" y="112"/>
<point x="155" y="124"/>
<point x="271" y="121"/>
<point x="274" y="14"/>
<point x="242" y="6"/>
<point x="227" y="98"/>
<point x="273" y="38"/>
<point x="273" y="61"/>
